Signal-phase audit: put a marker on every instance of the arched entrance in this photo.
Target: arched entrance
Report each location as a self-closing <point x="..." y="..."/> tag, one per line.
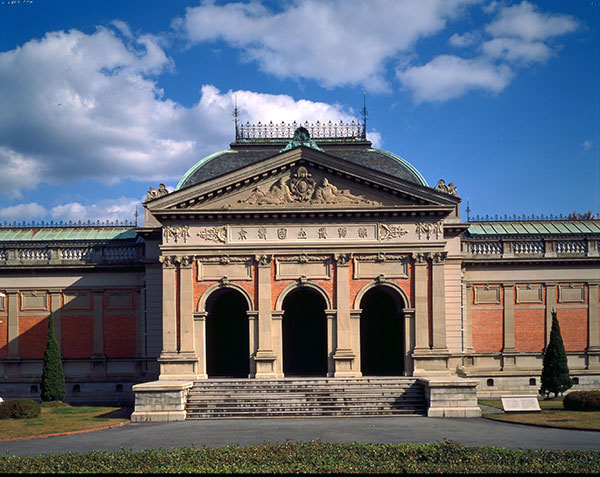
<point x="304" y="330"/>
<point x="227" y="335"/>
<point x="381" y="333"/>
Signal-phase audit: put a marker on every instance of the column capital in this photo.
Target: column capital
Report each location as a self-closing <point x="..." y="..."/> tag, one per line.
<point x="264" y="260"/>
<point x="438" y="258"/>
<point x="167" y="261"/>
<point x="186" y="261"/>
<point x="342" y="259"/>
<point x="421" y="258"/>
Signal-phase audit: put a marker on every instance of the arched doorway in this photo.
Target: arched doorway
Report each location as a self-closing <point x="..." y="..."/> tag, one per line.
<point x="227" y="335"/>
<point x="304" y="330"/>
<point x="381" y="333"/>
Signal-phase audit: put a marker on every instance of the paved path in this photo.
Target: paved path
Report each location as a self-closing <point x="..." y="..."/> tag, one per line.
<point x="256" y="431"/>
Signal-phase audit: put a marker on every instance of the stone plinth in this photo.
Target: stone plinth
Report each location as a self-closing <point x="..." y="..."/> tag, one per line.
<point x="451" y="397"/>
<point x="160" y="401"/>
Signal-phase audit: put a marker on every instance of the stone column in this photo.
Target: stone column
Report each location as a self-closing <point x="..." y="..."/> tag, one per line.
<point x="550" y="306"/>
<point x="265" y="356"/>
<point x="468" y="319"/>
<point x="344" y="355"/>
<point x="409" y="339"/>
<point x="169" y="314"/>
<point x="98" y="356"/>
<point x="186" y="307"/>
<point x="593" y="350"/>
<point x="421" y="303"/>
<point x="13" y="325"/>
<point x="200" y="340"/>
<point x="277" y="324"/>
<point x="55" y="306"/>
<point x="509" y="350"/>
<point x="439" y="302"/>
<point x="252" y="335"/>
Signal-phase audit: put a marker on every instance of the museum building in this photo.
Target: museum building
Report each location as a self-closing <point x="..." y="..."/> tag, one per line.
<point x="301" y="251"/>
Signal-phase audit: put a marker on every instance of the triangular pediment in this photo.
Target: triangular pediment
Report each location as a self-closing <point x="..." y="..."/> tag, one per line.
<point x="301" y="179"/>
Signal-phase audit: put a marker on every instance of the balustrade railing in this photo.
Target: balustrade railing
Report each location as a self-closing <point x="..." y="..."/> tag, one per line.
<point x="29" y="254"/>
<point x="317" y="130"/>
<point x="62" y="255"/>
<point x="570" y="246"/>
<point x="528" y="248"/>
<point x="485" y="248"/>
<point x="546" y="248"/>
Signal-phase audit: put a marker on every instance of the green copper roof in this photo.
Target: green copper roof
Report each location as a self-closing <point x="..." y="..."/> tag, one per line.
<point x="199" y="164"/>
<point x="50" y="234"/>
<point x="421" y="180"/>
<point x="546" y="227"/>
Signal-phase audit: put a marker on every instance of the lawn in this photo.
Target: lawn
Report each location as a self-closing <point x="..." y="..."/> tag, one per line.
<point x="59" y="417"/>
<point x="552" y="415"/>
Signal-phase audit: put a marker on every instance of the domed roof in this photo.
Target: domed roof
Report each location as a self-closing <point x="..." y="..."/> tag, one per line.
<point x="247" y="152"/>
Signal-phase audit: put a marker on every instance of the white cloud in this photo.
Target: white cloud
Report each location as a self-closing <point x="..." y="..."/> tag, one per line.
<point x="341" y="42"/>
<point x="447" y="77"/>
<point x="527" y="22"/>
<point x="79" y="106"/>
<point x="517" y="50"/>
<point x="21" y="212"/>
<point x="466" y="39"/>
<point x="519" y="36"/>
<point x="122" y="208"/>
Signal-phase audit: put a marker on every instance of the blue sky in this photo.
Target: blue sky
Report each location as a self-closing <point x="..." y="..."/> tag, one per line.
<point x="99" y="100"/>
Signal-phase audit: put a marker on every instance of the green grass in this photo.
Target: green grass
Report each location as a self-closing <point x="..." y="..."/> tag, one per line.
<point x="315" y="457"/>
<point x="552" y="415"/>
<point x="57" y="417"/>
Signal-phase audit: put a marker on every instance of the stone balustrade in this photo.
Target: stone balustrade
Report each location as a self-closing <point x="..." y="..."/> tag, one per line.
<point x="70" y="255"/>
<point x="539" y="248"/>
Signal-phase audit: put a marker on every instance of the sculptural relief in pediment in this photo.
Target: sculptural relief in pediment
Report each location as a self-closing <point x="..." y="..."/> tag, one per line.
<point x="300" y="188"/>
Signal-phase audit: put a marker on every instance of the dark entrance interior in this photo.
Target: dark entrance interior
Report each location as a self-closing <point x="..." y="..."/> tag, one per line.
<point x="381" y="334"/>
<point x="227" y="340"/>
<point x="304" y="334"/>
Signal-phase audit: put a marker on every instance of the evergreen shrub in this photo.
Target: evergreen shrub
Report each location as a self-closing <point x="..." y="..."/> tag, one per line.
<point x="555" y="373"/>
<point x="19" y="409"/>
<point x="53" y="376"/>
<point x="582" y="401"/>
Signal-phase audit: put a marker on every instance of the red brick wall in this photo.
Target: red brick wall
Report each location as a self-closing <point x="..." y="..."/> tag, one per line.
<point x="120" y="335"/>
<point x="573" y="324"/>
<point x="33" y="336"/>
<point x="487" y="325"/>
<point x="77" y="336"/>
<point x="530" y="329"/>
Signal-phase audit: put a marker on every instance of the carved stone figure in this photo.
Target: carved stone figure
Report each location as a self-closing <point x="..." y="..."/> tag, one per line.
<point x="301" y="189"/>
<point x="155" y="194"/>
<point x="447" y="189"/>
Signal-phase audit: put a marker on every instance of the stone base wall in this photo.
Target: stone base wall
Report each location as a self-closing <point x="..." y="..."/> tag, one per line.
<point x="161" y="401"/>
<point x="451" y="397"/>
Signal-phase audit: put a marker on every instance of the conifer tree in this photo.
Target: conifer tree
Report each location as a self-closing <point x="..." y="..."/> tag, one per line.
<point x="555" y="374"/>
<point x="53" y="376"/>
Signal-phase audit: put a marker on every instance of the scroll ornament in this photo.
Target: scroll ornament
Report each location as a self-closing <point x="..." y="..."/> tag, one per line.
<point x="389" y="231"/>
<point x="214" y="234"/>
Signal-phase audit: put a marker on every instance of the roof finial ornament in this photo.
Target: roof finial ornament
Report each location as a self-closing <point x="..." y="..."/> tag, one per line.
<point x="365" y="113"/>
<point x="235" y="116"/>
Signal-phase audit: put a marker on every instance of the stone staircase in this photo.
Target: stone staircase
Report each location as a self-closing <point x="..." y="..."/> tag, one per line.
<point x="305" y="397"/>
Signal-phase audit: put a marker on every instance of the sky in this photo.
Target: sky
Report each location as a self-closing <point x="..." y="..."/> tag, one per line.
<point x="99" y="100"/>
